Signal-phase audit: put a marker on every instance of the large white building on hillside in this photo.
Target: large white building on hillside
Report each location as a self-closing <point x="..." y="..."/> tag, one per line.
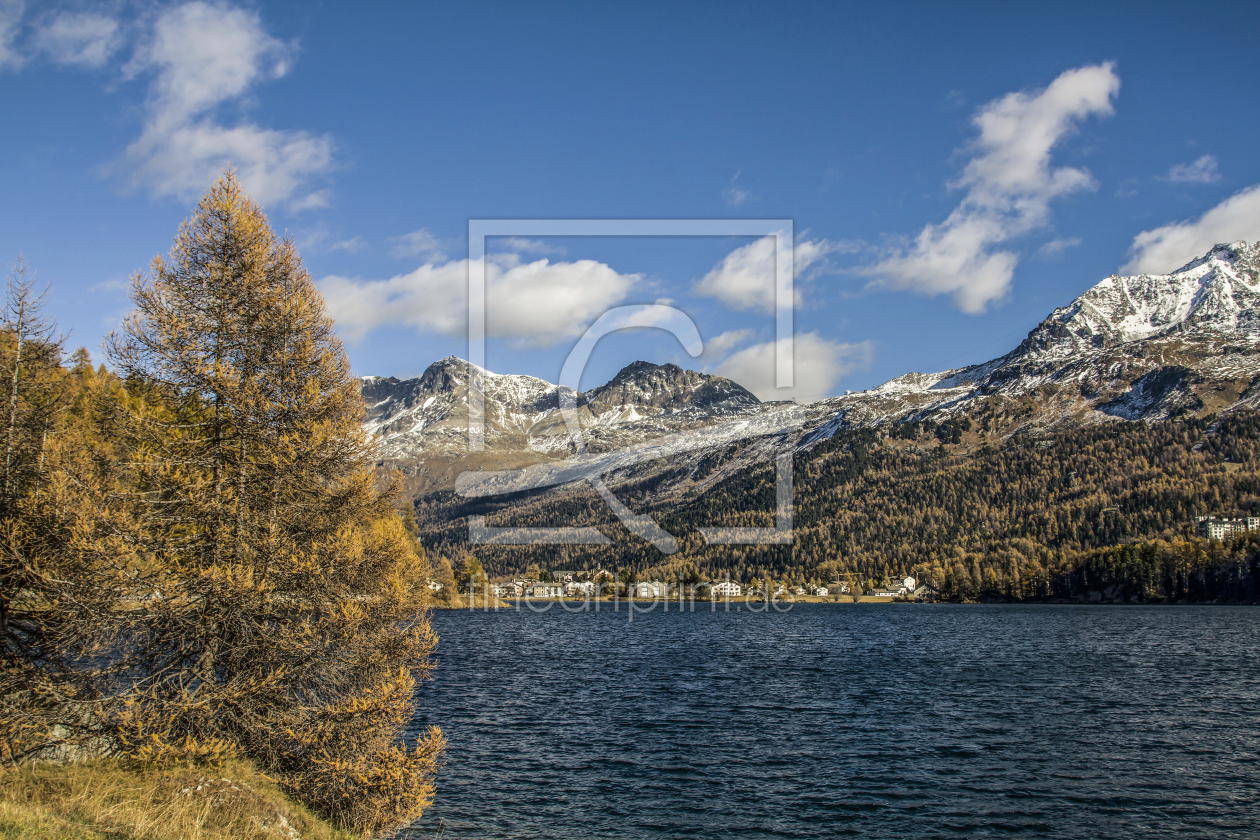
<point x="1222" y="528"/>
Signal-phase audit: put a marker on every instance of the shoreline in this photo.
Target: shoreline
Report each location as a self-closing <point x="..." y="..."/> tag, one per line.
<point x="645" y="605"/>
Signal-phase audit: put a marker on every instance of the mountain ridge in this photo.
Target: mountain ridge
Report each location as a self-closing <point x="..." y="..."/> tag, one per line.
<point x="1141" y="347"/>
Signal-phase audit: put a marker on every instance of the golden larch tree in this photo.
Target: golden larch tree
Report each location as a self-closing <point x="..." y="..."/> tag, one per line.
<point x="279" y="609"/>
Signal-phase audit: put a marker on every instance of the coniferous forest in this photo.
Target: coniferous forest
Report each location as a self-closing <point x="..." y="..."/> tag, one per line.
<point x="1050" y="514"/>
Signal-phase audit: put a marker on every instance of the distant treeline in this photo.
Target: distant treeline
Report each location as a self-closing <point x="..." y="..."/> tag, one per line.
<point x="1022" y="518"/>
<point x="1194" y="570"/>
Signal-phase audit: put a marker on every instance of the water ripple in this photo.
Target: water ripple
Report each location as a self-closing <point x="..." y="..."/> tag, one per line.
<point x="878" y="721"/>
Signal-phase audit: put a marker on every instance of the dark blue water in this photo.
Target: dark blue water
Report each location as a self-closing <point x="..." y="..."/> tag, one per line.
<point x="891" y="721"/>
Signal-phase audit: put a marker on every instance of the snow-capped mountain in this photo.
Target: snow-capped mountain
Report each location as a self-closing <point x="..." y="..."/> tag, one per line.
<point x="428" y="415"/>
<point x="647" y="389"/>
<point x="1143" y="347"/>
<point x="1217" y="292"/>
<point x="1139" y="347"/>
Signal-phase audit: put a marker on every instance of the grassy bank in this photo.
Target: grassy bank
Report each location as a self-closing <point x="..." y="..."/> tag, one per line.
<point x="110" y="800"/>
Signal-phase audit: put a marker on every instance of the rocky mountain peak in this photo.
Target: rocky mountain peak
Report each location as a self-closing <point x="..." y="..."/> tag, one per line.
<point x="648" y="388"/>
<point x="1216" y="292"/>
<point x="446" y="374"/>
<point x="1241" y="256"/>
<point x="428" y="414"/>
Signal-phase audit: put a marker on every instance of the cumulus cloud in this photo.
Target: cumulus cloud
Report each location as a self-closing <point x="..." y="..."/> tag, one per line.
<point x="717" y="348"/>
<point x="818" y="366"/>
<point x="744" y="279"/>
<point x="1202" y="171"/>
<point x="1169" y="247"/>
<point x="85" y="39"/>
<point x="203" y="55"/>
<point x="1010" y="183"/>
<point x="537" y="303"/>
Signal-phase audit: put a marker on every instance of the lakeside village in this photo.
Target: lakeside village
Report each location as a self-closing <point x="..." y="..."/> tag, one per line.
<point x="601" y="583"/>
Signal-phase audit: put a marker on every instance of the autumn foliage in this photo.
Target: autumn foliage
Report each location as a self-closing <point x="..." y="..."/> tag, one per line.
<point x="205" y="567"/>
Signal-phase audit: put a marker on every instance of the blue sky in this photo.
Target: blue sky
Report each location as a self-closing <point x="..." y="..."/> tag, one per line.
<point x="954" y="171"/>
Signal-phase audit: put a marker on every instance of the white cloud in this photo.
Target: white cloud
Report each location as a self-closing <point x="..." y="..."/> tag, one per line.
<point x="320" y="240"/>
<point x="204" y="55"/>
<point x="1010" y="184"/>
<point x="1058" y="246"/>
<point x="744" y="279"/>
<point x="417" y="243"/>
<point x="1202" y="171"/>
<point x="85" y="39"/>
<point x="1169" y="247"/>
<point x="720" y="345"/>
<point x="733" y="195"/>
<point x="519" y="245"/>
<point x="818" y="366"/>
<point x="538" y="303"/>
<point x="353" y="245"/>
<point x="110" y="286"/>
<point x="716" y="349"/>
<point x="271" y="164"/>
<point x="317" y="200"/>
<point x="10" y="19"/>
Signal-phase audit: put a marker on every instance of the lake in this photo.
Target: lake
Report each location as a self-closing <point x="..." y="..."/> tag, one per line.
<point x="882" y="721"/>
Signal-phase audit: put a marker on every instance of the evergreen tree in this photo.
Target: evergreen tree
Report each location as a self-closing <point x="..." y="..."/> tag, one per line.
<point x="259" y="595"/>
<point x="33" y="679"/>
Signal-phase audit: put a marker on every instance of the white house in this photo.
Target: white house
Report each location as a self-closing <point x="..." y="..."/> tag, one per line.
<point x="648" y="589"/>
<point x="725" y="589"/>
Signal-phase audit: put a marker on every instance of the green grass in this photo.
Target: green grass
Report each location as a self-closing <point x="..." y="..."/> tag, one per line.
<point x="114" y="800"/>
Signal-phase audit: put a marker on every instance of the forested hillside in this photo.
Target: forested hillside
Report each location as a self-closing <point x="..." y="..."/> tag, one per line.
<point x="968" y="514"/>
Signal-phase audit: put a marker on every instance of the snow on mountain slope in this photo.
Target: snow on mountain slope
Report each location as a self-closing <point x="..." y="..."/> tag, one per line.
<point x="429" y="414"/>
<point x="1143" y="347"/>
<point x="1215" y="292"/>
<point x="1146" y="347"/>
<point x="653" y="389"/>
